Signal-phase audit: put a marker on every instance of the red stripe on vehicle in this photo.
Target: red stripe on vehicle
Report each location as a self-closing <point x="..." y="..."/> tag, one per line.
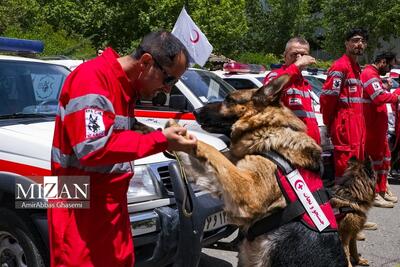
<point x="22" y="169"/>
<point x="164" y="115"/>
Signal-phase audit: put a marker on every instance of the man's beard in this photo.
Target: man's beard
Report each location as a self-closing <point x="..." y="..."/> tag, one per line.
<point x="357" y="52"/>
<point x="382" y="72"/>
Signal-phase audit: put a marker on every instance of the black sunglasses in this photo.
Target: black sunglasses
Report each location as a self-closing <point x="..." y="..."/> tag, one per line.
<point x="169" y="80"/>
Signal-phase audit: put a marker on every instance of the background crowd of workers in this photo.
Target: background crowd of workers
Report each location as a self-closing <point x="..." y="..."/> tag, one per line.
<point x="353" y="105"/>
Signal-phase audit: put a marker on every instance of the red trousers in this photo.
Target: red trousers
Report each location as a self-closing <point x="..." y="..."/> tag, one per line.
<point x="380" y="154"/>
<point x="348" y="137"/>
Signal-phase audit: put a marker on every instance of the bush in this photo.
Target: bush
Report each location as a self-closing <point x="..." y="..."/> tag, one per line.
<point x="56" y="43"/>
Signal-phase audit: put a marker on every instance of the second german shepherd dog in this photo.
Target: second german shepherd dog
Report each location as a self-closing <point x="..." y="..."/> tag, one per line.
<point x="355" y="193"/>
<point x="258" y="122"/>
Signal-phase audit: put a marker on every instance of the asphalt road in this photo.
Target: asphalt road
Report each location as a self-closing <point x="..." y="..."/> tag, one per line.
<point x="381" y="247"/>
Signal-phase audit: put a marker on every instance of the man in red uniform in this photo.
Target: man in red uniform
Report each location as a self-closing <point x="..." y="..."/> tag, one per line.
<point x="297" y="92"/>
<point x="93" y="137"/>
<point x="341" y="103"/>
<point x="376" y="121"/>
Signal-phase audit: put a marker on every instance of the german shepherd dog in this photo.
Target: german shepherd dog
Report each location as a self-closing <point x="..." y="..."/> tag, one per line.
<point x="258" y="122"/>
<point x="355" y="194"/>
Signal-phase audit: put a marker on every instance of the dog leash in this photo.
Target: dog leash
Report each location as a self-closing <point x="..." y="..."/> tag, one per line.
<point x="182" y="172"/>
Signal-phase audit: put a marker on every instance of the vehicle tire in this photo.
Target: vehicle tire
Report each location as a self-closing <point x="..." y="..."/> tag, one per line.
<point x="18" y="245"/>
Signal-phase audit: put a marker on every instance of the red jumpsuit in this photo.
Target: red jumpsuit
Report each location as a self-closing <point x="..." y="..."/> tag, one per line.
<point x="376" y="121"/>
<point x="296" y="96"/>
<point x="342" y="111"/>
<point x="92" y="137"/>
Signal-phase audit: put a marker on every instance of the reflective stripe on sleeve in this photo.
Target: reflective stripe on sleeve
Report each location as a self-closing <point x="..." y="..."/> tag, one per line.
<point x="304" y="114"/>
<point x="89" y="101"/>
<point x="330" y="92"/>
<point x="294" y="91"/>
<point x="372" y="80"/>
<point x="336" y="74"/>
<point x="67" y="161"/>
<point x="352" y="100"/>
<point x="90" y="145"/>
<point x="376" y="93"/>
<point x="353" y="82"/>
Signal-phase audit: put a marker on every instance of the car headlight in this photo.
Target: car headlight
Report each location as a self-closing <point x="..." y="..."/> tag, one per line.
<point x="142" y="186"/>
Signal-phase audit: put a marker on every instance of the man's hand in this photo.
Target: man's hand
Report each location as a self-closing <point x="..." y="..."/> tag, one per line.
<point x="179" y="139"/>
<point x="304" y="61"/>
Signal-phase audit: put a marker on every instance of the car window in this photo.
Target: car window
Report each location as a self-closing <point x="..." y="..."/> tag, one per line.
<point x="207" y="86"/>
<point x="316" y="84"/>
<point x="30" y="87"/>
<point x="174" y="101"/>
<point x="241" y="83"/>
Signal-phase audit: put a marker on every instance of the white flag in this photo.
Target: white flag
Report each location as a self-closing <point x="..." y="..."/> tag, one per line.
<point x="194" y="40"/>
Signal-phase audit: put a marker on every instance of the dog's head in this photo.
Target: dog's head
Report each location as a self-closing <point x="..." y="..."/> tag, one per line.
<point x="359" y="179"/>
<point x="219" y="117"/>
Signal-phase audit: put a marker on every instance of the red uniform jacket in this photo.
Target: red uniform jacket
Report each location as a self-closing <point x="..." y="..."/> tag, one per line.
<point x="375" y="112"/>
<point x="92" y="137"/>
<point x="296" y="96"/>
<point x="342" y="110"/>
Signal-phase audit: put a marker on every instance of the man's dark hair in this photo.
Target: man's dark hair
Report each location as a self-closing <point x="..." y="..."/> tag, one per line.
<point x="357" y="31"/>
<point x="163" y="46"/>
<point x="389" y="56"/>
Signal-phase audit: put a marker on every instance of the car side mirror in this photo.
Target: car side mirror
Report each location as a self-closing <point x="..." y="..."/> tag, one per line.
<point x="178" y="102"/>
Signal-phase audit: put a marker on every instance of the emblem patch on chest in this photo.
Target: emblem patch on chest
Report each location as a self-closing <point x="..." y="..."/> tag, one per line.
<point x="94" y="123"/>
<point x="353" y="89"/>
<point x="294" y="101"/>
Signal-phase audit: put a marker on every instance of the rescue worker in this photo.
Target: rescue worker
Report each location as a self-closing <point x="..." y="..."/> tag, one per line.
<point x="296" y="95"/>
<point x="341" y="103"/>
<point x="93" y="137"/>
<point x="376" y="121"/>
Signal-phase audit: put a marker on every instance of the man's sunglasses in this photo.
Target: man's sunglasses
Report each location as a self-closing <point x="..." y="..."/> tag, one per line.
<point x="169" y="80"/>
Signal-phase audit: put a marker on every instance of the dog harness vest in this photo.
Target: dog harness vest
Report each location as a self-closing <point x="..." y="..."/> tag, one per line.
<point x="322" y="218"/>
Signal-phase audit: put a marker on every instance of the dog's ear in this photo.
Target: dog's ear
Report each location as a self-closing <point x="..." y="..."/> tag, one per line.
<point x="271" y="94"/>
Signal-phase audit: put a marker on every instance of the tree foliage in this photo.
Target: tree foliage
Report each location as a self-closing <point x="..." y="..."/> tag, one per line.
<point x="380" y="18"/>
<point x="233" y="27"/>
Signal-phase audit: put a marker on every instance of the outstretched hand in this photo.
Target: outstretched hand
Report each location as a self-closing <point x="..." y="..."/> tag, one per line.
<point x="179" y="139"/>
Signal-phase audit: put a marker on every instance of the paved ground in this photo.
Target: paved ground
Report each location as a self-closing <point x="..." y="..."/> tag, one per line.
<point x="381" y="248"/>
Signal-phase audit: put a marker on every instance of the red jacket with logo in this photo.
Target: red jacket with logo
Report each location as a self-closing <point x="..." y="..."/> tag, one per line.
<point x="296" y="96"/>
<point x="92" y="137"/>
<point x="375" y="99"/>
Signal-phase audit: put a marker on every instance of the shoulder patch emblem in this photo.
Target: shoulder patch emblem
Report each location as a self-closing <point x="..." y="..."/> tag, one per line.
<point x="376" y="86"/>
<point x="337" y="82"/>
<point x="94" y="123"/>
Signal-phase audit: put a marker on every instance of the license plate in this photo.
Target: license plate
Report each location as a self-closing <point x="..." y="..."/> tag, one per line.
<point x="215" y="221"/>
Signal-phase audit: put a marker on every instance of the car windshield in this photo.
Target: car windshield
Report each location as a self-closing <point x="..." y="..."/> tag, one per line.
<point x="30" y="88"/>
<point x="315" y="83"/>
<point x="207" y="86"/>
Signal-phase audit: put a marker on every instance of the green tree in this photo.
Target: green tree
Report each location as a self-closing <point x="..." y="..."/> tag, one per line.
<point x="380" y="18"/>
<point x="272" y="23"/>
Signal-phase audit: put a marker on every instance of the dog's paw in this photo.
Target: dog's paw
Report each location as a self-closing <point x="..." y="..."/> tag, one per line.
<point x="171" y="122"/>
<point x="363" y="262"/>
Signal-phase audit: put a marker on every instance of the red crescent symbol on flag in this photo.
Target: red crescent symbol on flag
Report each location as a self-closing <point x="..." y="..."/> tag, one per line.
<point x="197" y="37"/>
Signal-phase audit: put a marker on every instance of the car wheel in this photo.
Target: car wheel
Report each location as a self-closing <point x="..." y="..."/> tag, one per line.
<point x="18" y="247"/>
